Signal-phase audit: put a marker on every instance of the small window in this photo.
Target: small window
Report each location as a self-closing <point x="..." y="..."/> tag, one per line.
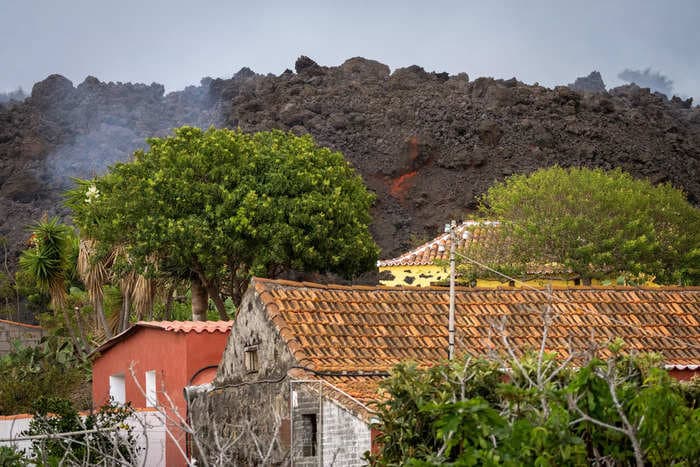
<point x="117" y="388"/>
<point x="251" y="359"/>
<point x="151" y="392"/>
<point x="309" y="435"/>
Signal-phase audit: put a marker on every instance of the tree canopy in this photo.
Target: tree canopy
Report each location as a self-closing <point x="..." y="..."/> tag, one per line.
<point x="598" y="223"/>
<point x="219" y="206"/>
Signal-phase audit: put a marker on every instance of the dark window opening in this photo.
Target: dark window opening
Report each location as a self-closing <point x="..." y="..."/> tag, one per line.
<point x="308" y="435"/>
<point x="577" y="281"/>
<point x="251" y="359"/>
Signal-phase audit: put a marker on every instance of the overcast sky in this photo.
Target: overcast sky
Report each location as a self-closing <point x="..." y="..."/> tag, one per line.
<point x="177" y="42"/>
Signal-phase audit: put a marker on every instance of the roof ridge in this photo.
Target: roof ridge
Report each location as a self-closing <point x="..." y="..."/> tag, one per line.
<point x="264" y="282"/>
<point x="18" y="323"/>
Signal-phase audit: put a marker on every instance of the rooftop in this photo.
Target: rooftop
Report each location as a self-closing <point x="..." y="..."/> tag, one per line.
<point x="468" y="234"/>
<point x="352" y="336"/>
<point x="188" y="326"/>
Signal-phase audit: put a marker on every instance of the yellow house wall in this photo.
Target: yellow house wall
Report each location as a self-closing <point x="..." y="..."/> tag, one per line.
<point x="424" y="275"/>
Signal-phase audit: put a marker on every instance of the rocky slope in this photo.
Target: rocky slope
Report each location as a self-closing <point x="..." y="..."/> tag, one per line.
<point x="427" y="143"/>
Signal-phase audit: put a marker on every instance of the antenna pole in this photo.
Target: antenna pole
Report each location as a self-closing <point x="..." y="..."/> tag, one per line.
<point x="451" y="323"/>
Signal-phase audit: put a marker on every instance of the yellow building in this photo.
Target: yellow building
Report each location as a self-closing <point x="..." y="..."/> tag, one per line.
<point x="428" y="264"/>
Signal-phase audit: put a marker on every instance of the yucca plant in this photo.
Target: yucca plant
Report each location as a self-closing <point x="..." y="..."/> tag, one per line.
<point x="51" y="263"/>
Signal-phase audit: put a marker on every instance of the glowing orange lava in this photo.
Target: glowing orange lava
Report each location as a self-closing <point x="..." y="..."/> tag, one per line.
<point x="400" y="185"/>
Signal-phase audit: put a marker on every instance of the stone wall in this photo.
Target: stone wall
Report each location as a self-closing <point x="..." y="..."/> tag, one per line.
<point x="10" y="332"/>
<point x="265" y="411"/>
<point x="249" y="406"/>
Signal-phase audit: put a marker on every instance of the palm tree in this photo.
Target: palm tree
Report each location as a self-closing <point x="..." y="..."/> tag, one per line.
<point x="48" y="262"/>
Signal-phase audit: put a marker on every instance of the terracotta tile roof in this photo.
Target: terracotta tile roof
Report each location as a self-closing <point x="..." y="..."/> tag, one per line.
<point x="347" y="334"/>
<point x="189" y="326"/>
<point x="468" y="233"/>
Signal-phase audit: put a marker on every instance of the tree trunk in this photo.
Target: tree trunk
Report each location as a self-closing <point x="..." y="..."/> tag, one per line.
<point x="168" y="313"/>
<point x="100" y="311"/>
<point x="125" y="312"/>
<point x="200" y="300"/>
<point x="219" y="302"/>
<point x="81" y="330"/>
<point x="71" y="333"/>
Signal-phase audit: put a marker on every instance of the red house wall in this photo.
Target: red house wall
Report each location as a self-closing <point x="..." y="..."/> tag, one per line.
<point x="175" y="356"/>
<point x="684" y="375"/>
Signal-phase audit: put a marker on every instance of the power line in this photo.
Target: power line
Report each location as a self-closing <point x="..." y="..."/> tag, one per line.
<point x="565" y="301"/>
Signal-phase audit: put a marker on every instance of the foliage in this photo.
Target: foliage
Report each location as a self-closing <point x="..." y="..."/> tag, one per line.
<point x="10" y="457"/>
<point x="221" y="205"/>
<point x="50" y="261"/>
<point x="470" y="412"/>
<point x="598" y="223"/>
<point x="113" y="440"/>
<point x="49" y="369"/>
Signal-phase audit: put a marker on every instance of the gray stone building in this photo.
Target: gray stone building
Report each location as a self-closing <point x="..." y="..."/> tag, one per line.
<point x="303" y="361"/>
<point x="27" y="335"/>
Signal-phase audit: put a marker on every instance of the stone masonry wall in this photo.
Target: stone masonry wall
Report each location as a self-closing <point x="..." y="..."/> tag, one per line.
<point x="345" y="437"/>
<point x="10" y="332"/>
<point x="250" y="406"/>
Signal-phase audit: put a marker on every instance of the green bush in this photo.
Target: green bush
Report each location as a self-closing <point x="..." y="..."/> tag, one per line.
<point x="10" y="457"/>
<point x="111" y="442"/>
<point x="49" y="369"/>
<point x="474" y="413"/>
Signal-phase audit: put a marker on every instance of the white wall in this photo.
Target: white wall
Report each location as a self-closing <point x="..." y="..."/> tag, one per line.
<point x="148" y="429"/>
<point x="11" y="427"/>
<point x="345" y="437"/>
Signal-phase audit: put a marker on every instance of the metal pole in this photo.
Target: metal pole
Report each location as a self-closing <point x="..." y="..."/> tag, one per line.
<point x="451" y="324"/>
<point x="319" y="428"/>
<point x="291" y="423"/>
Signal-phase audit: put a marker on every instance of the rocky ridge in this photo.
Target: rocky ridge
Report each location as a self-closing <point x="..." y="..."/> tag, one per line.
<point x="427" y="143"/>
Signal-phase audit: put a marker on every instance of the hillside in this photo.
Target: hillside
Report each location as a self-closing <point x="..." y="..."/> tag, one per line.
<point x="427" y="143"/>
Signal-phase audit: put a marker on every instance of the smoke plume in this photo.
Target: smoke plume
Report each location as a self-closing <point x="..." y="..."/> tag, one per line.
<point x="653" y="80"/>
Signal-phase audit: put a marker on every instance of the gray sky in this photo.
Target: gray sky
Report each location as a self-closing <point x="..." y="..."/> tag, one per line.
<point x="177" y="42"/>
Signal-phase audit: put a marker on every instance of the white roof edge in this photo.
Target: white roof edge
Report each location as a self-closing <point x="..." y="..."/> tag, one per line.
<point x="430" y="244"/>
<point x="682" y="367"/>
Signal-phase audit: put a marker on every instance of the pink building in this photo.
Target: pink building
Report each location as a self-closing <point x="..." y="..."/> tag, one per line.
<point x="162" y="357"/>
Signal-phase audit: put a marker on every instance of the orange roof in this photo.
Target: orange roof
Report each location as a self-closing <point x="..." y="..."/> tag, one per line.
<point x="468" y="233"/>
<point x="188" y="326"/>
<point x="354" y="335"/>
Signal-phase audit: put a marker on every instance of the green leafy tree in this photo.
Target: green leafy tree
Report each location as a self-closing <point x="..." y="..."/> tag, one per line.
<point x="598" y="224"/>
<point x="218" y="206"/>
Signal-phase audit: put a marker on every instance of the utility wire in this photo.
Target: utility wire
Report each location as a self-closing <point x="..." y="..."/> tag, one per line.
<point x="569" y="302"/>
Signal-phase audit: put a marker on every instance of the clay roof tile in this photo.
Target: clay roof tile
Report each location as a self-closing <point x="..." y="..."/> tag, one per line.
<point x="342" y="328"/>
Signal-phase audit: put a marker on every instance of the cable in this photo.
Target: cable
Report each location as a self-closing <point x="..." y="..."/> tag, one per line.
<point x="551" y="296"/>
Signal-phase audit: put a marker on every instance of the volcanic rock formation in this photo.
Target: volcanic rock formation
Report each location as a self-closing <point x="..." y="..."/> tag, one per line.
<point x="591" y="83"/>
<point x="427" y="143"/>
